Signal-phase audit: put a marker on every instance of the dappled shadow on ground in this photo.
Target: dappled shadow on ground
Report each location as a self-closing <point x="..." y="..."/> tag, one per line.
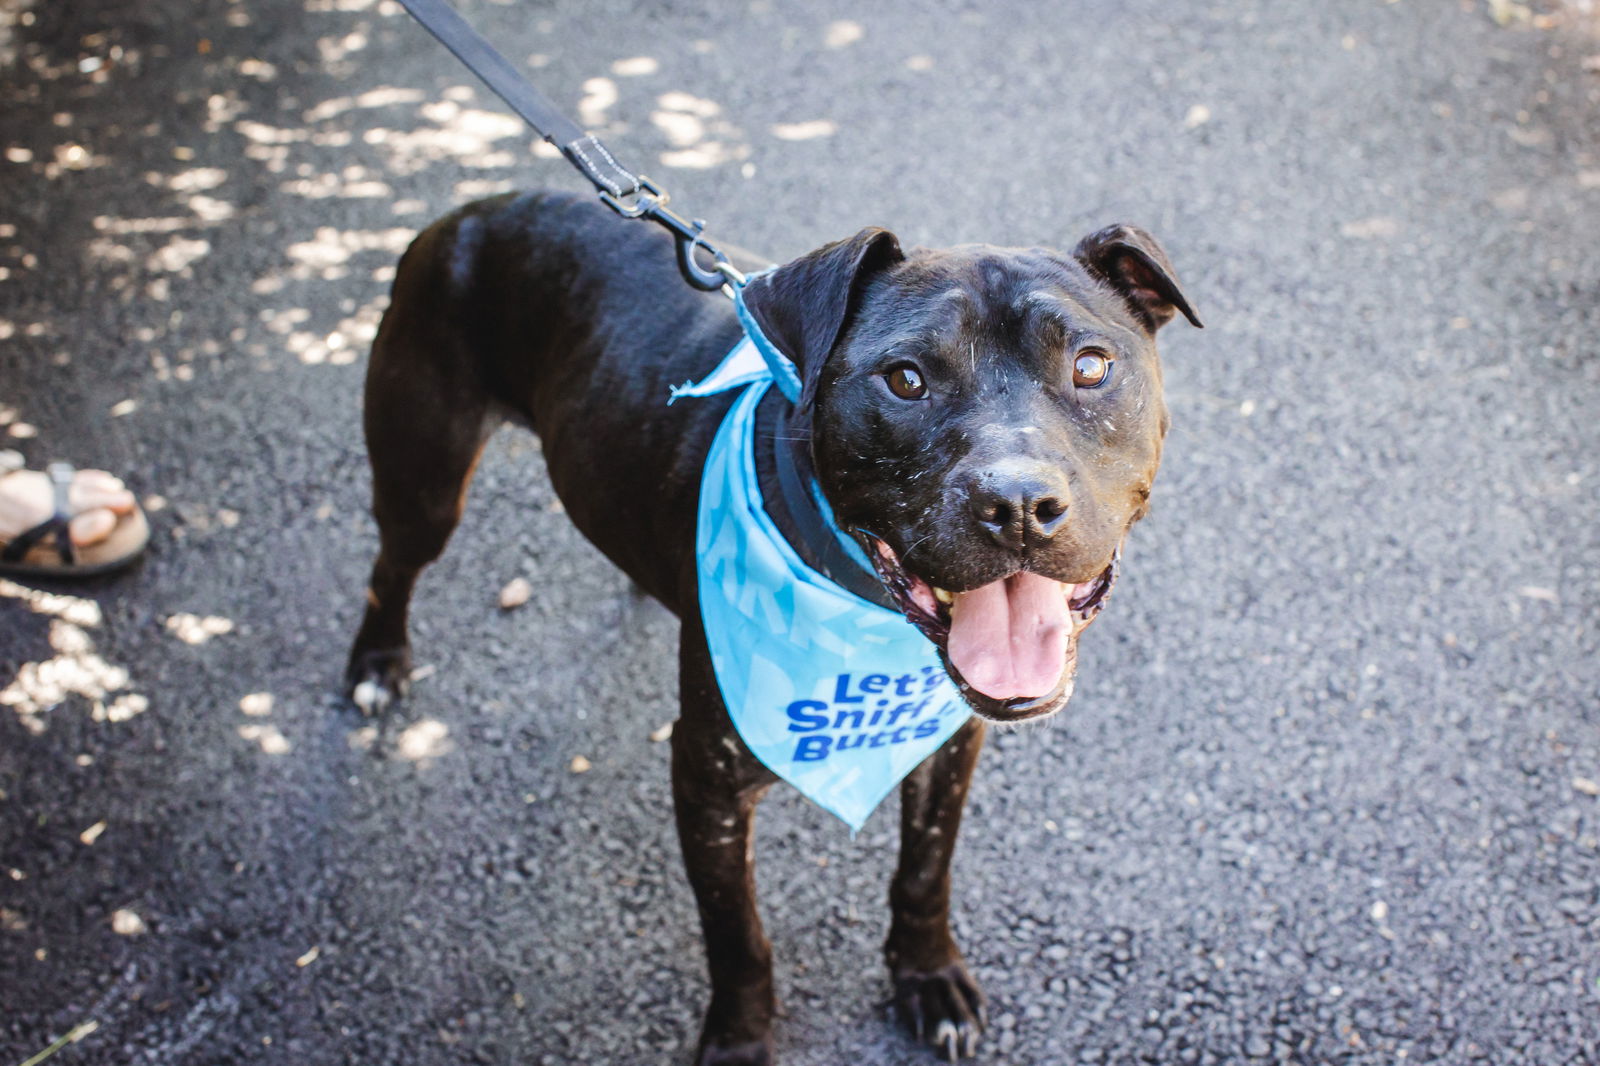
<point x="205" y="856"/>
<point x="199" y="220"/>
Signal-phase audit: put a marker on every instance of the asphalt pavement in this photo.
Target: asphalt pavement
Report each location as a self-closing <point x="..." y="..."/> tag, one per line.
<point x="1329" y="791"/>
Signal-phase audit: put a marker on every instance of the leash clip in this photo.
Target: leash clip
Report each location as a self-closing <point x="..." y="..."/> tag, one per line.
<point x="629" y="195"/>
<point x="637" y="203"/>
<point x="649" y="202"/>
<point x="721" y="274"/>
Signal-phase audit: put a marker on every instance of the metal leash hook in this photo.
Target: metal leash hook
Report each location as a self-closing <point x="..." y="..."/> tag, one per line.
<point x="651" y="203"/>
<point x="629" y="195"/>
<point x="721" y="273"/>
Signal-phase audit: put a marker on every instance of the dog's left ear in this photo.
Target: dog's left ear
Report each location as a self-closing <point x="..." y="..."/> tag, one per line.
<point x="1130" y="261"/>
<point x="803" y="305"/>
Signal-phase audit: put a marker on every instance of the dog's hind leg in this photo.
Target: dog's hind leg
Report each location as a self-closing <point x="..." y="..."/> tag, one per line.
<point x="427" y="416"/>
<point x="934" y="994"/>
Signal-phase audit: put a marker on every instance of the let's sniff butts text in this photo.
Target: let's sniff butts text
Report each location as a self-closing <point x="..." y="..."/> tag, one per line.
<point x="873" y="712"/>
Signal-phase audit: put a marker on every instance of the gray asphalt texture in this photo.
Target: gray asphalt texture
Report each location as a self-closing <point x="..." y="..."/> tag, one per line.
<point x="1327" y="791"/>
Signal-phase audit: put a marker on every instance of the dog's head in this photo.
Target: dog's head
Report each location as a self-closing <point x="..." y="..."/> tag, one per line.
<point x="988" y="423"/>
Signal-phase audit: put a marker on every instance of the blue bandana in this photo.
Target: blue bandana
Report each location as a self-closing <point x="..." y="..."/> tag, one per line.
<point x="838" y="696"/>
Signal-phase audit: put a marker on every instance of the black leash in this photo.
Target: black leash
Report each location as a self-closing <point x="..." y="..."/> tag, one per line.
<point x="628" y="194"/>
<point x="636" y="196"/>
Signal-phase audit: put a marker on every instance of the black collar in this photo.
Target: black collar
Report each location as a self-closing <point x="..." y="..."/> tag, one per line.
<point x="783" y="461"/>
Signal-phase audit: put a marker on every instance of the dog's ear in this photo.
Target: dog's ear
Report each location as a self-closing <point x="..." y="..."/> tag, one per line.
<point x="803" y="305"/>
<point x="1130" y="261"/>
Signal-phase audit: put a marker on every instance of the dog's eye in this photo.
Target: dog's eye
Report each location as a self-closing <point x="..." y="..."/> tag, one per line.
<point x="1091" y="369"/>
<point x="906" y="382"/>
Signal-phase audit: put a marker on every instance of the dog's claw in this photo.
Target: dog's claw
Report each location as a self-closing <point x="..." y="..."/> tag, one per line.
<point x="944" y="1009"/>
<point x="377" y="680"/>
<point x="371" y="698"/>
<point x="751" y="1053"/>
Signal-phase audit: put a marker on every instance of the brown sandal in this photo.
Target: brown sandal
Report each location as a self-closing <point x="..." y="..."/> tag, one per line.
<point x="47" y="550"/>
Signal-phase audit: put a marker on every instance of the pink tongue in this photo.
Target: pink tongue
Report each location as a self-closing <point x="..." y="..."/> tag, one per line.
<point x="1010" y="637"/>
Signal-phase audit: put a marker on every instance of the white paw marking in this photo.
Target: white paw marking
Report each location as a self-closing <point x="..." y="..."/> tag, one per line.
<point x="371" y="697"/>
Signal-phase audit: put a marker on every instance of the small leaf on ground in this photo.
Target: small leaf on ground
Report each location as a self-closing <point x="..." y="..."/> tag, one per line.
<point x="127" y="923"/>
<point x="516" y="593"/>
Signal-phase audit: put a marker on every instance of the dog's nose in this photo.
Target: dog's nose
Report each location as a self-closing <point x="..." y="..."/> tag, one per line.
<point x="1018" y="508"/>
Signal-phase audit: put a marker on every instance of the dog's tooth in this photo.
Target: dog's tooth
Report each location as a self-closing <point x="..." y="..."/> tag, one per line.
<point x="944" y="596"/>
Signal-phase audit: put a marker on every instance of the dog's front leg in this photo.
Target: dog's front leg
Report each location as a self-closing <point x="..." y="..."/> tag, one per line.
<point x="716" y="784"/>
<point x="934" y="993"/>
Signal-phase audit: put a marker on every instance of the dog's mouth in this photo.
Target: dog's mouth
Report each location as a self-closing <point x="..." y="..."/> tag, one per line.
<point x="1010" y="645"/>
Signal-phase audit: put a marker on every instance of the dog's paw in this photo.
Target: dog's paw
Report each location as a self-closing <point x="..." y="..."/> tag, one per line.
<point x="752" y="1053"/>
<point x="376" y="680"/>
<point x="943" y="1008"/>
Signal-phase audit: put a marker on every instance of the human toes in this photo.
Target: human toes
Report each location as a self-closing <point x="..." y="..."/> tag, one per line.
<point x="93" y="526"/>
<point x="93" y="489"/>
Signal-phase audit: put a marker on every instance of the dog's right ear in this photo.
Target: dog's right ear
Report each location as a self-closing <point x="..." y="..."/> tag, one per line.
<point x="1130" y="261"/>
<point x="803" y="305"/>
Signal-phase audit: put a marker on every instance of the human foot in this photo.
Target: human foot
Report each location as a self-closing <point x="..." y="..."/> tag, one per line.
<point x="101" y="520"/>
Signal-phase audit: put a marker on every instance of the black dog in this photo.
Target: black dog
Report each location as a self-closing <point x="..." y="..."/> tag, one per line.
<point x="987" y="421"/>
